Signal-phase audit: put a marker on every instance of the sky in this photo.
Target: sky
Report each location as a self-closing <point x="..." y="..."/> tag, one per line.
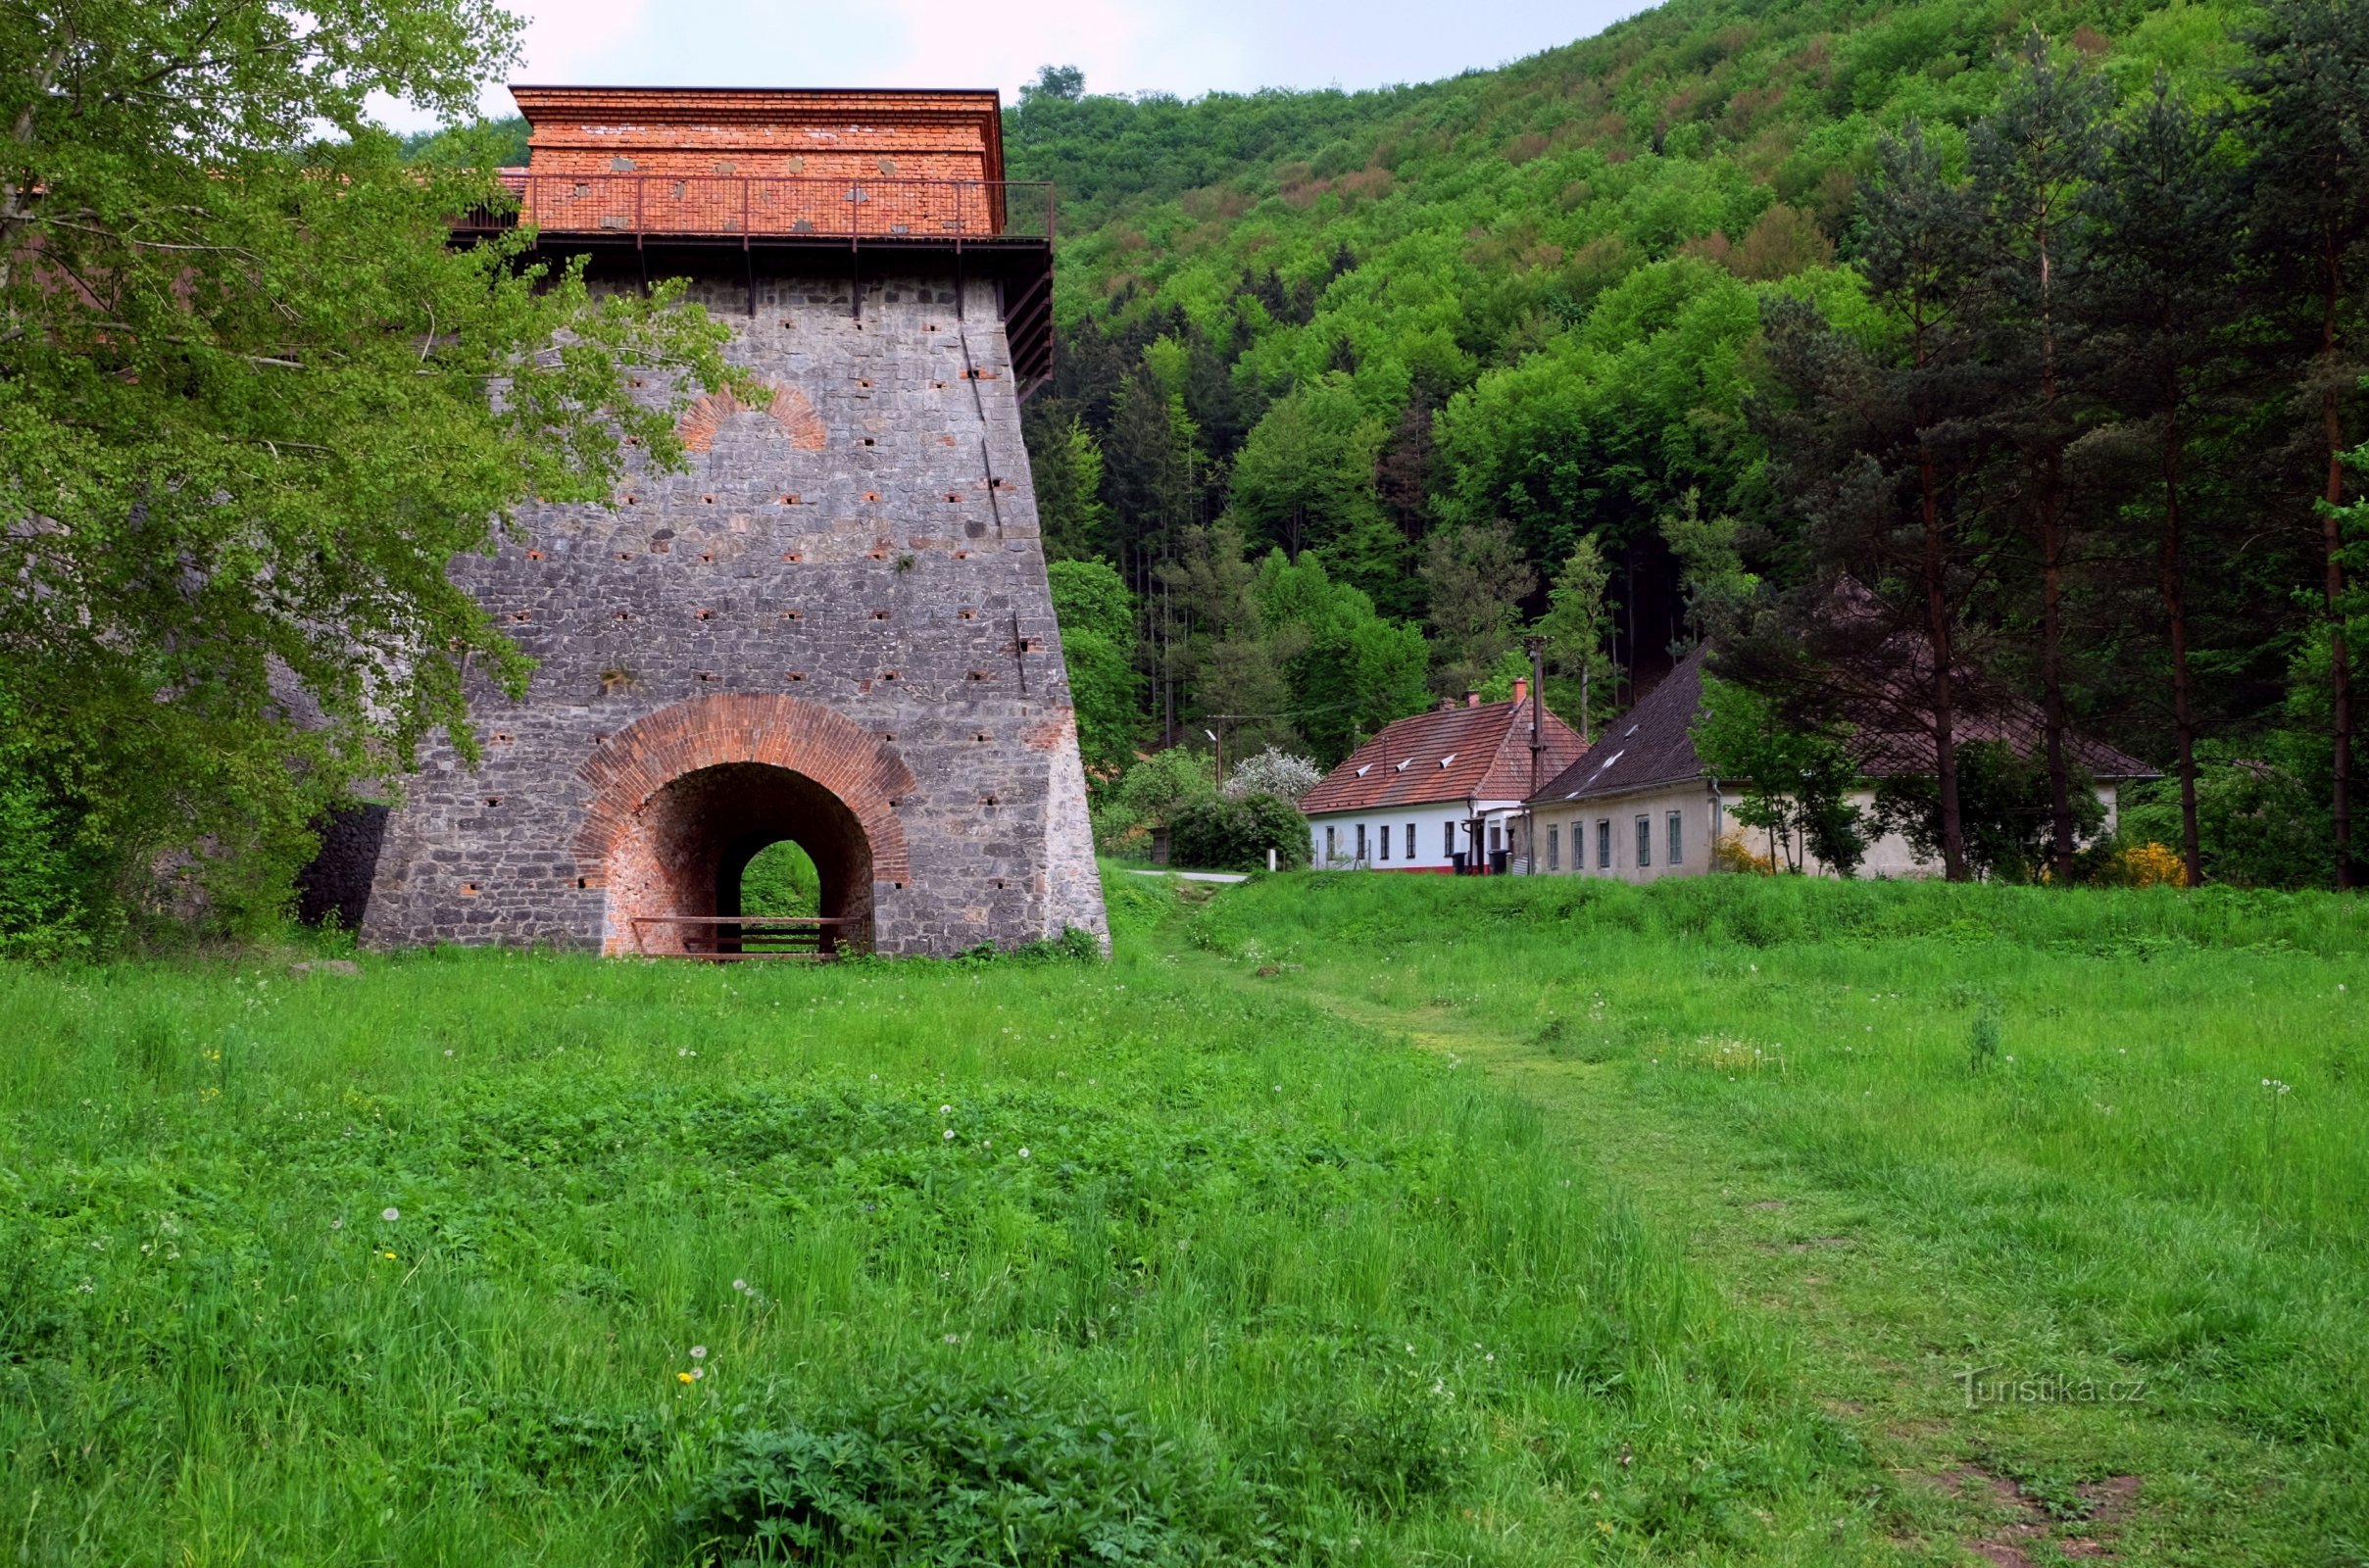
<point x="1185" y="47"/>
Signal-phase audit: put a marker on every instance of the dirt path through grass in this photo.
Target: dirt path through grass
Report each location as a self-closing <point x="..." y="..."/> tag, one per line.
<point x="1882" y="1324"/>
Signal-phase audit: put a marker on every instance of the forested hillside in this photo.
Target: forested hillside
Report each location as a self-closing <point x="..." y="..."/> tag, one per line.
<point x="1345" y="380"/>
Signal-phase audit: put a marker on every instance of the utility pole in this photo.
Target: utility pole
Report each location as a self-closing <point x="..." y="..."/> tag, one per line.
<point x="1538" y="747"/>
<point x="1218" y="742"/>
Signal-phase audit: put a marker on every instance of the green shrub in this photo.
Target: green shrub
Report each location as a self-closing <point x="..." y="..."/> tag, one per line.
<point x="948" y="1471"/>
<point x="1221" y="835"/>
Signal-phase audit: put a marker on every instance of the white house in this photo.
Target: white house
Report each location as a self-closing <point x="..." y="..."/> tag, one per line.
<point x="1641" y="804"/>
<point x="1439" y="786"/>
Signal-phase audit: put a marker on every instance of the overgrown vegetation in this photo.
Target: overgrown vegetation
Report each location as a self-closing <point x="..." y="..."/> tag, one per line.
<point x="1190" y="1258"/>
<point x="1441" y="339"/>
<point x="245" y="428"/>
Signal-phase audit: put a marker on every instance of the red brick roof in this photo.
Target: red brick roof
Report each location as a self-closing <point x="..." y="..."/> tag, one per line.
<point x="1456" y="754"/>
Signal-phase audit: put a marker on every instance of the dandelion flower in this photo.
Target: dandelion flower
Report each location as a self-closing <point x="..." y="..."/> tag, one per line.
<point x="389" y="1256"/>
<point x="740" y="1285"/>
<point x="683" y="1377"/>
<point x="949" y="1135"/>
<point x="954" y="1339"/>
<point x="699" y="1371"/>
<point x="448" y="1051"/>
<point x="1023" y="1152"/>
<point x="391" y="1213"/>
<point x="946" y="1110"/>
<point x="699" y="1353"/>
<point x="337" y="1224"/>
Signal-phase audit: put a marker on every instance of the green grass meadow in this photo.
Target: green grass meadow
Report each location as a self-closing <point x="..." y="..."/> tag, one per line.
<point x="1337" y="1218"/>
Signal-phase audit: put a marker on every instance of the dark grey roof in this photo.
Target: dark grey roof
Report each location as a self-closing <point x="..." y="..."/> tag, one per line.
<point x="1650" y="745"/>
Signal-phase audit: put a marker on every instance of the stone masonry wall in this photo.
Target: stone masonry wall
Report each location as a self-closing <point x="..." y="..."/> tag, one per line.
<point x="849" y="584"/>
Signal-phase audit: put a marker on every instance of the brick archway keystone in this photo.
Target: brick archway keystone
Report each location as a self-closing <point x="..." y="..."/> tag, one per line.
<point x="855" y="765"/>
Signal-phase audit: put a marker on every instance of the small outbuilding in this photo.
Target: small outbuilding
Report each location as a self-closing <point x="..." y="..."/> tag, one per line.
<point x="1441" y="791"/>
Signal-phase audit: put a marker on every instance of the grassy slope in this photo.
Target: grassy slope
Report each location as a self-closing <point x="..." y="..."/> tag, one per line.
<point x="1785" y="1073"/>
<point x="1376" y="1311"/>
<point x="1249" y="1191"/>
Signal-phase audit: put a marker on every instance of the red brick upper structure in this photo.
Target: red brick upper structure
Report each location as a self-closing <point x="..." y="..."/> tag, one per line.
<point x="730" y="161"/>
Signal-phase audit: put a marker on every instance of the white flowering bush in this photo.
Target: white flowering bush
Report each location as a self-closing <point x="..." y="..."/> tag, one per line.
<point x="1273" y="771"/>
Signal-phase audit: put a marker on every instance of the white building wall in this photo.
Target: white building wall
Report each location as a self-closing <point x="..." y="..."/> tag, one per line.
<point x="1431" y="823"/>
<point x="1702" y="820"/>
<point x="1578" y="823"/>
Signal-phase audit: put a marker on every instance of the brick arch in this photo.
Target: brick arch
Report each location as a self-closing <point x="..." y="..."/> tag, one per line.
<point x="852" y="766"/>
<point x="790" y="409"/>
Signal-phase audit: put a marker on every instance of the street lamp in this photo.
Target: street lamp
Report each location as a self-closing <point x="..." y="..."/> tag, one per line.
<point x="1220" y="746"/>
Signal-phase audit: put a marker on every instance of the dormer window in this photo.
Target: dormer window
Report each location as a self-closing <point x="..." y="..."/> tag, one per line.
<point x="1404" y="766"/>
<point x="1450" y="758"/>
<point x="1368" y="769"/>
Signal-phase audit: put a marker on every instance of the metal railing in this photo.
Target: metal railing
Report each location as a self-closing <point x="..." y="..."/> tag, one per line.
<point x="725" y="937"/>
<point x="732" y="206"/>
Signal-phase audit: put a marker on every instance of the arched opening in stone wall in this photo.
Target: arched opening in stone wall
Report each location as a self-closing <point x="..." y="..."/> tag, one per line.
<point x="695" y="838"/>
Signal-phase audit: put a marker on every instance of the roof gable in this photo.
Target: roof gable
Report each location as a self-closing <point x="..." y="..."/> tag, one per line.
<point x="1653" y="744"/>
<point x="1452" y="753"/>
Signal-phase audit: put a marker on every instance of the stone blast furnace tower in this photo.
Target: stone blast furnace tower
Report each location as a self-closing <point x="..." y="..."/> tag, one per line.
<point x="835" y="627"/>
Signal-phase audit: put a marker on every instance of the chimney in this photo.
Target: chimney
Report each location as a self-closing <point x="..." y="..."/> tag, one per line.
<point x="1472" y="699"/>
<point x="1521" y="690"/>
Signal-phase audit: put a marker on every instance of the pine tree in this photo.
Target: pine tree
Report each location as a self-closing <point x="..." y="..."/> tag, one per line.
<point x="2306" y="127"/>
<point x="2169" y="210"/>
<point x="2031" y="159"/>
<point x="1878" y="453"/>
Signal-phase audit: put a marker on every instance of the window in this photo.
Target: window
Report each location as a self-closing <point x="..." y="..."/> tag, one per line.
<point x="1496" y="837"/>
<point x="1447" y="841"/>
<point x="1332" y="845"/>
<point x="1677" y="855"/>
<point x="1386" y="841"/>
<point x="1555" y="847"/>
<point x="1604" y="844"/>
<point x="1645" y="841"/>
<point x="1412" y="850"/>
<point x="1360" y="840"/>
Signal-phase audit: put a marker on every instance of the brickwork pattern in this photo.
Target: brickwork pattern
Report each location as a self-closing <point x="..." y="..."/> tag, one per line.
<point x="869" y="611"/>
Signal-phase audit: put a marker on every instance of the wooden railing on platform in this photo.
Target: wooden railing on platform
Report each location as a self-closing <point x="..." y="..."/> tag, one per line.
<point x="722" y="938"/>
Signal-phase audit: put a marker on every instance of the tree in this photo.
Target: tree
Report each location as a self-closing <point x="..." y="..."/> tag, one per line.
<point x="1097" y="617"/>
<point x="1477" y="577"/>
<point x="2307" y="125"/>
<point x="1235" y="665"/>
<point x="1067" y="471"/>
<point x="2031" y="158"/>
<point x="1229" y="835"/>
<point x="1305" y="480"/>
<point x="1056" y="84"/>
<point x="1354" y="671"/>
<point x="1797" y="781"/>
<point x="245" y="421"/>
<point x="1710" y="566"/>
<point x="1878" y="451"/>
<point x="2006" y="812"/>
<point x="1273" y="771"/>
<point x="1578" y="624"/>
<point x="2169" y="210"/>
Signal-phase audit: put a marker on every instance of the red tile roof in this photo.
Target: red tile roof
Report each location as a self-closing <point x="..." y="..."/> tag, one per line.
<point x="1453" y="754"/>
